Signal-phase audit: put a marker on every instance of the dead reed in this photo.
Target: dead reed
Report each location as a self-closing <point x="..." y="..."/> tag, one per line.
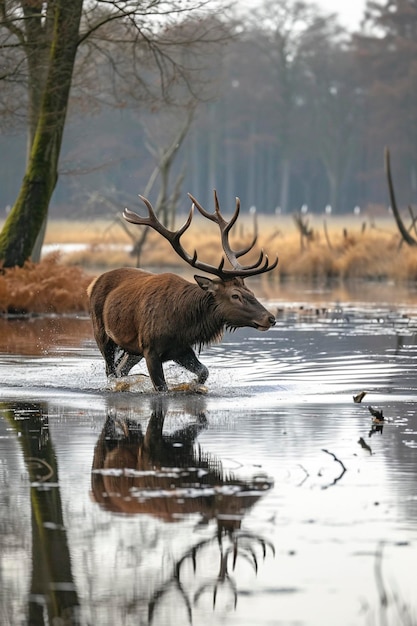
<point x="47" y="287"/>
<point x="58" y="283"/>
<point x="361" y="251"/>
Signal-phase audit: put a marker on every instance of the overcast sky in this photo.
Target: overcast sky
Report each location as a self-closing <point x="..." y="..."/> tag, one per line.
<point x="350" y="11"/>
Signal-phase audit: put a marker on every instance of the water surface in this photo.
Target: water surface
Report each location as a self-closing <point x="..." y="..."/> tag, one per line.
<point x="272" y="499"/>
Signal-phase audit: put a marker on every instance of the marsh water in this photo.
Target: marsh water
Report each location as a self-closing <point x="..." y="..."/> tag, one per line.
<point x="272" y="499"/>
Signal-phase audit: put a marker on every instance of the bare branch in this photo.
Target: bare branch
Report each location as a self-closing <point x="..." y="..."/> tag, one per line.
<point x="409" y="240"/>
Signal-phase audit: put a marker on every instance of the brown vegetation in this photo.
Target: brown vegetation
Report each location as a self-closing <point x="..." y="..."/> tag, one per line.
<point x="349" y="254"/>
<point x="349" y="248"/>
<point x="45" y="287"/>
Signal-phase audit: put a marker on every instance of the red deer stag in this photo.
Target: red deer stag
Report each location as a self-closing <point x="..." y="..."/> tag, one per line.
<point x="138" y="314"/>
<point x="167" y="475"/>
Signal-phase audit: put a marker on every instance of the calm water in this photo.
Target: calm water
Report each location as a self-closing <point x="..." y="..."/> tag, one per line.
<point x="271" y="500"/>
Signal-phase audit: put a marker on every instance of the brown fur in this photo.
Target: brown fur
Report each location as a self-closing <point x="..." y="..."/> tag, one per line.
<point x="160" y="317"/>
<point x="155" y="486"/>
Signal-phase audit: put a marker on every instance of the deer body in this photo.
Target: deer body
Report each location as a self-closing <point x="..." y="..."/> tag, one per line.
<point x="161" y="317"/>
<point x="163" y="469"/>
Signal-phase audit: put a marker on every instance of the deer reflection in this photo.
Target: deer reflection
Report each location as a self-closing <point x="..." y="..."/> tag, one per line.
<point x="168" y="476"/>
<point x="165" y="475"/>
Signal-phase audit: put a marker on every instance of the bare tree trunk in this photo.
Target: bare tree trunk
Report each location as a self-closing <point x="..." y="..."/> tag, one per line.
<point x="39" y="33"/>
<point x="333" y="189"/>
<point x="37" y="246"/>
<point x="166" y="202"/>
<point x="25" y="220"/>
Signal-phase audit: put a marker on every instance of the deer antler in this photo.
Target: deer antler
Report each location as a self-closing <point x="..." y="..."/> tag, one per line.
<point x="173" y="236"/>
<point x="225" y="228"/>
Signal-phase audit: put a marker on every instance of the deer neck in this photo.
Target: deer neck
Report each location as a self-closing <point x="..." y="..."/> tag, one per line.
<point x="204" y="321"/>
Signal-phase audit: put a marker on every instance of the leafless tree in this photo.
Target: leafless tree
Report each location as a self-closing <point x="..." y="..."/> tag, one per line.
<point x="44" y="42"/>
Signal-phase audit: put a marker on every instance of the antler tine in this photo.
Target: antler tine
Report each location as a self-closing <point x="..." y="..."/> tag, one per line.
<point x="267" y="267"/>
<point x="234" y="216"/>
<point x="204" y="213"/>
<point x="262" y="264"/>
<point x="173" y="236"/>
<point x="230" y="224"/>
<point x="178" y="233"/>
<point x="134" y="218"/>
<point x="247" y="270"/>
<point x="255" y="270"/>
<point x="248" y="248"/>
<point x="225" y="228"/>
<point x="258" y="262"/>
<point x="217" y="217"/>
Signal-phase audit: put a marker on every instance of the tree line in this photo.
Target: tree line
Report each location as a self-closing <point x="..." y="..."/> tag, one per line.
<point x="278" y="105"/>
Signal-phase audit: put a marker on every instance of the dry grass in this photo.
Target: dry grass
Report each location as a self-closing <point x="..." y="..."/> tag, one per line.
<point x="370" y="255"/>
<point x="94" y="231"/>
<point x="45" y="287"/>
<point x="349" y="251"/>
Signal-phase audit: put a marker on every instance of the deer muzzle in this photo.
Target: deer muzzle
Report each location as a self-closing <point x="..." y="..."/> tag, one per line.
<point x="265" y="323"/>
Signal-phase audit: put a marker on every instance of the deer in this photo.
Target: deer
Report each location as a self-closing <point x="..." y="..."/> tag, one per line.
<point x="169" y="477"/>
<point x="163" y="317"/>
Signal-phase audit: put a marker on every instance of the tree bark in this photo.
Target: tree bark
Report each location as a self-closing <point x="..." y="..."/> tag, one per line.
<point x="39" y="33"/>
<point x="25" y="220"/>
<point x="52" y="576"/>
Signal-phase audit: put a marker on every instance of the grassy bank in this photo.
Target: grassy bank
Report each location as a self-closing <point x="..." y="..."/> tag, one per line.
<point x="346" y="247"/>
<point x="340" y="249"/>
<point x="49" y="287"/>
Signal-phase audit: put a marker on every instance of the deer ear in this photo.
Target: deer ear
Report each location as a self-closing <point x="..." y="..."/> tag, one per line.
<point x="205" y="283"/>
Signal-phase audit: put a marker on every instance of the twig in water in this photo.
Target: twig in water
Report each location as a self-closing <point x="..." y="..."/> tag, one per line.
<point x="341" y="465"/>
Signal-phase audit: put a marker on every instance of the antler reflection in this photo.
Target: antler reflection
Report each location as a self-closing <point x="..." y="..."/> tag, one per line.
<point x="234" y="548"/>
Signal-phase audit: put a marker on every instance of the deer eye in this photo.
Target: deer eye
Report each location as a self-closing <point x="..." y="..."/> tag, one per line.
<point x="235" y="296"/>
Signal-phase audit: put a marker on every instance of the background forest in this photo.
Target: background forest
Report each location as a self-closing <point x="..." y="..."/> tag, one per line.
<point x="287" y="109"/>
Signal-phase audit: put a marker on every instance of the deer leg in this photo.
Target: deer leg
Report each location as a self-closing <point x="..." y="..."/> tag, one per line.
<point x="189" y="360"/>
<point x="156" y="372"/>
<point x="125" y="362"/>
<point x="108" y="350"/>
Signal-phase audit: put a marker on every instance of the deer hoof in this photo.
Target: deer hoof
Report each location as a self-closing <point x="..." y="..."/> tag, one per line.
<point x="189" y="388"/>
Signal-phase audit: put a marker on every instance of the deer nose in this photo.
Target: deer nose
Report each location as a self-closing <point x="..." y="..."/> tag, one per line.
<point x="271" y="320"/>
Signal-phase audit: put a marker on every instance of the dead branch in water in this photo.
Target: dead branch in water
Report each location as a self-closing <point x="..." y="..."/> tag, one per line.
<point x="341" y="465"/>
